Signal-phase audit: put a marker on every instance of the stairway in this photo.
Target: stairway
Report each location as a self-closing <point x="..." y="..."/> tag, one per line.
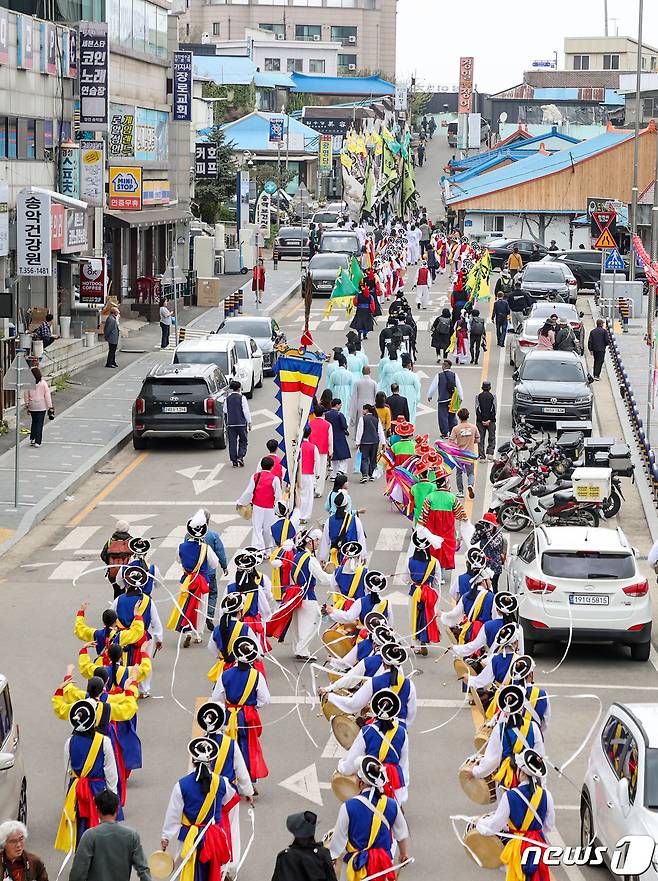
<point x="69" y="356"/>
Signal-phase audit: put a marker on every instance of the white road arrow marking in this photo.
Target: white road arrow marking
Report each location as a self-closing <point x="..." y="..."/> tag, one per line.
<point x="133" y="518"/>
<point x="305" y="783"/>
<point x="333" y="750"/>
<point x="208" y="482"/>
<point x="269" y="419"/>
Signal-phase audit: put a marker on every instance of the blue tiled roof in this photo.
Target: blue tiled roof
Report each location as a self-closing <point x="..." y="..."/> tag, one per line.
<point x="535" y="167"/>
<point x="272" y="80"/>
<point x="552" y="140"/>
<point x="252" y="133"/>
<point x="342" y="85"/>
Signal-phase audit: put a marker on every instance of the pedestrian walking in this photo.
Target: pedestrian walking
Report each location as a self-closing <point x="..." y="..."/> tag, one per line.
<point x="397" y="403"/>
<point x="272" y="447"/>
<point x="363" y="393"/>
<point x="445" y="384"/>
<point x="565" y="338"/>
<point x="597" y="343"/>
<point x="262" y="493"/>
<point x="16" y="863"/>
<point x="519" y="303"/>
<point x="165" y="324"/>
<point x="477" y="336"/>
<point x="461" y="340"/>
<point x="238" y="424"/>
<point x="515" y="261"/>
<point x="441" y="331"/>
<point x="321" y="437"/>
<point x="305" y="859"/>
<point x="422" y="285"/>
<point x="501" y="314"/>
<point x="535" y="254"/>
<point x="258" y="280"/>
<point x="425" y="235"/>
<point x="553" y="246"/>
<point x="409" y="386"/>
<point x="309" y="469"/>
<point x="485" y="419"/>
<point x="504" y="284"/>
<point x="213" y="541"/>
<point x="546" y="336"/>
<point x="388" y="367"/>
<point x="420" y="154"/>
<point x="111" y="336"/>
<point x="339" y="433"/>
<point x="451" y="218"/>
<point x="383" y="412"/>
<point x="369" y="435"/>
<point x="431" y="127"/>
<point x="465" y="435"/>
<point x="111" y="850"/>
<point x="38" y="403"/>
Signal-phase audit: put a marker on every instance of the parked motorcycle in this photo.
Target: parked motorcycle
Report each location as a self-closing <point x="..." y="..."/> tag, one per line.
<point x="552" y="505"/>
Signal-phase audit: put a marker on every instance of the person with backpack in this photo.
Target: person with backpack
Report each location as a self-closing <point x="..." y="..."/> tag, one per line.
<point x="565" y="338"/>
<point x="519" y="303"/>
<point x="505" y="283"/>
<point x="444" y="385"/>
<point x="477" y="336"/>
<point x="116" y="553"/>
<point x="500" y="315"/>
<point x="485" y="420"/>
<point x="441" y="330"/>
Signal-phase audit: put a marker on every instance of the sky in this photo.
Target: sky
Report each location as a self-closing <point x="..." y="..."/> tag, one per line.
<point x="504" y="37"/>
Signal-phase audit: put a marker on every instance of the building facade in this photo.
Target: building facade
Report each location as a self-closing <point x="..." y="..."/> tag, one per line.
<point x="365" y="29"/>
<point x="607" y="53"/>
<point x="272" y="55"/>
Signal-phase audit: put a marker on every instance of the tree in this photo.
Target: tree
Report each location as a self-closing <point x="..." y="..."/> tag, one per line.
<point x="418" y="103"/>
<point x="262" y="172"/>
<point x="232" y="102"/>
<point x="210" y="195"/>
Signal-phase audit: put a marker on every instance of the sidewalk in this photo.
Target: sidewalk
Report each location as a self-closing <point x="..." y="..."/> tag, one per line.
<point x="94" y="418"/>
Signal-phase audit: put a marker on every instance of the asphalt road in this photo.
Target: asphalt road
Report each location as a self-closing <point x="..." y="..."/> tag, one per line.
<point x="156" y="491"/>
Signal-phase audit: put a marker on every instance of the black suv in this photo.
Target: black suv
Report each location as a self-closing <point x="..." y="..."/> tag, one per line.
<point x="500" y="250"/>
<point x="181" y="400"/>
<point x="585" y="263"/>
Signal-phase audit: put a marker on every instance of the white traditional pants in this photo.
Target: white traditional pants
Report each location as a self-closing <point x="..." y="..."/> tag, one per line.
<point x="261" y="525"/>
<point x="423" y="296"/>
<point x="306" y="496"/>
<point x="234" y="822"/>
<point x="339" y="465"/>
<point x="304" y="626"/>
<point x="320" y="481"/>
<point x="145" y="684"/>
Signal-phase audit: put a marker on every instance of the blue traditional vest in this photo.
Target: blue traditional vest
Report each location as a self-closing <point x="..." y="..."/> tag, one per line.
<point x="234" y="681"/>
<point x="282" y="530"/>
<point x="360" y="820"/>
<point x="399" y="683"/>
<point x="518" y="807"/>
<point x="126" y="609"/>
<point x="391" y="753"/>
<point x="250" y="609"/>
<point x="346" y="580"/>
<point x="500" y="664"/>
<point x="301" y="574"/>
<point x="193" y="799"/>
<point x="188" y="552"/>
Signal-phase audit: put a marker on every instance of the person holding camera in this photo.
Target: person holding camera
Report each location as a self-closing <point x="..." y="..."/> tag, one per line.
<point x="38" y="403"/>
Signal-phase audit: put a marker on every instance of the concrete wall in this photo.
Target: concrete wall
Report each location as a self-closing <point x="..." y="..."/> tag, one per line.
<point x="596" y="47"/>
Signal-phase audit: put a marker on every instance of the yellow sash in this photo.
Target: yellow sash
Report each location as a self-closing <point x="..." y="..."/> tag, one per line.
<point x="232" y="726"/>
<point x="67" y="832"/>
<point x="387" y="743"/>
<point x="218" y="667"/>
<point x="276" y="570"/>
<point x="492" y="709"/>
<point x="193" y="832"/>
<point x="221" y="756"/>
<point x="399" y="682"/>
<point x="416" y="597"/>
<point x="472" y="616"/>
<point x="511" y="855"/>
<point x="298" y="568"/>
<point x="339" y="598"/>
<point x="358" y="874"/>
<point x="180" y="602"/>
<point x="505" y="774"/>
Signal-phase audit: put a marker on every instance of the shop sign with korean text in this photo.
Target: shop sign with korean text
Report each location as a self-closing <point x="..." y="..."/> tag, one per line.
<point x="125" y="190"/>
<point x="92" y="281"/>
<point x="205" y="160"/>
<point x="33" y="229"/>
<point x="92" y="173"/>
<point x="75" y="231"/>
<point x="325" y="152"/>
<point x="182" y="78"/>
<point x="465" y="96"/>
<point x="93" y="75"/>
<point x="69" y="170"/>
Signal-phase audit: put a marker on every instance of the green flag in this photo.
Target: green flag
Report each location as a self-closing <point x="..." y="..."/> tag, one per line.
<point x="408" y="185"/>
<point x="344" y="288"/>
<point x="356" y="273"/>
<point x="368" y="187"/>
<point x="389" y="170"/>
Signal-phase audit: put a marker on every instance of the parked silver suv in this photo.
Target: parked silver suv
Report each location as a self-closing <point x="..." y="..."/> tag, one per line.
<point x="13" y="784"/>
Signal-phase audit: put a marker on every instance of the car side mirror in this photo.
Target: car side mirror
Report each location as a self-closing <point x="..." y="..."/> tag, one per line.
<point x="516" y="375"/>
<point x="7" y="761"/>
<point x="581" y="314"/>
<point x="515" y="550"/>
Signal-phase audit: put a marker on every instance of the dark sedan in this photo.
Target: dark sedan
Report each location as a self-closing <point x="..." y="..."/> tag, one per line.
<point x="500" y="250"/>
<point x="323" y="269"/>
<point x="292" y="241"/>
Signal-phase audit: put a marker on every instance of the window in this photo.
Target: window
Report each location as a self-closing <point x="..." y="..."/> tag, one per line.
<point x="346" y="63"/>
<point x="527" y="551"/>
<point x="581" y="62"/>
<point x="343" y="34"/>
<point x="216" y="28"/>
<point x="12" y="137"/>
<point x="629" y="767"/>
<point x="3" y="137"/>
<point x="613" y="741"/>
<point x="649" y="108"/>
<point x="162" y="32"/>
<point x="308" y="32"/>
<point x="494" y="222"/>
<point x="344" y="4"/>
<point x="139" y="22"/>
<point x="274" y="29"/>
<point x="272" y="2"/>
<point x="295" y="65"/>
<point x="369" y="4"/>
<point x="611" y="62"/>
<point x="272" y="64"/>
<point x="151" y="33"/>
<point x="306" y="2"/>
<point x="316" y="65"/>
<point x="653" y="62"/>
<point x="6" y="716"/>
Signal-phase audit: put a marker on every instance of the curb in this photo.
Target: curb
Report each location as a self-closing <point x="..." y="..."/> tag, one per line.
<point x="46" y="505"/>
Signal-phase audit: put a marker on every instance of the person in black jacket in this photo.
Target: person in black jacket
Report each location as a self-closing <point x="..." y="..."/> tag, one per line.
<point x="398" y="404"/>
<point x="485" y="419"/>
<point x="597" y="343"/>
<point x="519" y="303"/>
<point x="305" y="859"/>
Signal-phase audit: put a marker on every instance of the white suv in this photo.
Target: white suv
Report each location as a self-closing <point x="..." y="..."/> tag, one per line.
<point x="584" y="579"/>
<point x="13" y="785"/>
<point x="620" y="791"/>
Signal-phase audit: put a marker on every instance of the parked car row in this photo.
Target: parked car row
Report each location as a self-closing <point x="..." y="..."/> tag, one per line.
<point x="187" y="398"/>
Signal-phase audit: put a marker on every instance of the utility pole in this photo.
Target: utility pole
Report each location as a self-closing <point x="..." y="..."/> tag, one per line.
<point x="605" y="16"/>
<point x="636" y="140"/>
<point x="651" y="307"/>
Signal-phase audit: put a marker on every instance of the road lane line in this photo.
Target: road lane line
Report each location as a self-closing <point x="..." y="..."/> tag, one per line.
<point x="573" y="873"/>
<point x="112" y="485"/>
<point x="468" y="503"/>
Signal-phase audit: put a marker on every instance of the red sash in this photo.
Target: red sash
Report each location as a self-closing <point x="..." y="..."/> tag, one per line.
<point x="256" y="624"/>
<point x="378" y="861"/>
<point x="257" y="765"/>
<point x="86" y="806"/>
<point x="429" y="598"/>
<point x="394" y="782"/>
<point x="279" y="623"/>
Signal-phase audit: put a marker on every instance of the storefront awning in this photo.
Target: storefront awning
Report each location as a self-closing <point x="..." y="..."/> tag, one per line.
<point x="148" y="216"/>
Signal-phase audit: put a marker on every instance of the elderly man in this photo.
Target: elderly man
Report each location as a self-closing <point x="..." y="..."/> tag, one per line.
<point x="17" y="863"/>
<point x="363" y="393"/>
<point x="111" y="336"/>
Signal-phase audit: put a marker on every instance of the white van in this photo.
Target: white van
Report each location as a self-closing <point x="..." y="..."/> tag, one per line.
<point x="13" y="785"/>
<point x="214" y="349"/>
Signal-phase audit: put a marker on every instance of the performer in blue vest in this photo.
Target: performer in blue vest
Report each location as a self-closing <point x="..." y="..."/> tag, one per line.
<point x="506" y="611"/>
<point x="386" y="738"/>
<point x="537" y="703"/>
<point x="140" y="547"/>
<point x="135" y="601"/>
<point x="523" y="815"/>
<point x="256" y="609"/>
<point x="368" y="826"/>
<point x="369" y="665"/>
<point x="200" y="800"/>
<point x="374" y="584"/>
<point x="470" y="613"/>
<point x="230" y="764"/>
<point x="284" y="529"/>
<point x="230" y="627"/>
<point x="197" y="559"/>
<point x="350" y="576"/>
<point x="340" y="527"/>
<point x="365" y="643"/>
<point x="496" y="669"/>
<point x="425" y="576"/>
<point x="476" y="562"/>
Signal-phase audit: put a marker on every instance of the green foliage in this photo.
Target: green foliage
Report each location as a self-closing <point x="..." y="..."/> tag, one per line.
<point x="419" y="102"/>
<point x="59" y="383"/>
<point x="270" y="171"/>
<point x="297" y="100"/>
<point x="234" y="101"/>
<point x="210" y="194"/>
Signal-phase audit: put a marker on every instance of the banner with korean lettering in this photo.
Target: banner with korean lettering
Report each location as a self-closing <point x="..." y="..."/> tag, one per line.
<point x="24" y="41"/>
<point x="33" y="228"/>
<point x="92" y="281"/>
<point x="122" y="131"/>
<point x="75" y="231"/>
<point x="69" y="170"/>
<point x="465" y="97"/>
<point x="93" y="75"/>
<point x="205" y="160"/>
<point x="325" y="152"/>
<point x="92" y="173"/>
<point x="182" y="78"/>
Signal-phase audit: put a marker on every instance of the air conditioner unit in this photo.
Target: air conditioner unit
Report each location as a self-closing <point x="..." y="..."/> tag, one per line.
<point x="280" y="36"/>
<point x="317" y="38"/>
<point x="351" y="39"/>
<point x="351" y="66"/>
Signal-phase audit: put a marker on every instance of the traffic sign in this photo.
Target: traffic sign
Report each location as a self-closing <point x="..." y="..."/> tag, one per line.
<point x="603" y="219"/>
<point x="605" y="240"/>
<point x="613" y="261"/>
<point x="270" y="187"/>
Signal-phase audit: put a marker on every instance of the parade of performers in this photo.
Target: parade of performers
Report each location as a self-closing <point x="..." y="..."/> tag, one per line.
<point x="309" y="600"/>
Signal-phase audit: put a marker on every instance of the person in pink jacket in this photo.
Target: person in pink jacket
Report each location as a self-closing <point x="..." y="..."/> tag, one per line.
<point x="546" y="336"/>
<point x="38" y="402"/>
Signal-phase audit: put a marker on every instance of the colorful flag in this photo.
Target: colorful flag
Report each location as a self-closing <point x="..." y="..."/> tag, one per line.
<point x="408" y="191"/>
<point x="369" y="187"/>
<point x="356" y="273"/>
<point x="344" y="288"/>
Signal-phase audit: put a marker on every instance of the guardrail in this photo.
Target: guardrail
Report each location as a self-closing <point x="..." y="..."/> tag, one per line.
<point x="647" y="454"/>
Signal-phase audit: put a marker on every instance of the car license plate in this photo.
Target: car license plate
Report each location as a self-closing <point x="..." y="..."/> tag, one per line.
<point x="553" y="409"/>
<point x="174" y="409"/>
<point x="584" y="599"/>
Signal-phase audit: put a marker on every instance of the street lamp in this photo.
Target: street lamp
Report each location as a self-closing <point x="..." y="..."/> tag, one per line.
<point x="636" y="140"/>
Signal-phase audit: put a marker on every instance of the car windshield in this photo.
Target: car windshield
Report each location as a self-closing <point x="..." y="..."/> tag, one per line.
<point x="543" y="272"/>
<point x="497" y="243"/>
<point x="256" y="328"/>
<point x="218" y="358"/>
<point x="241" y="349"/>
<point x="339" y="243"/>
<point x="292" y="232"/>
<point x="552" y="371"/>
<point x="587" y="564"/>
<point x="166" y="388"/>
<point x="327" y="261"/>
<point x="651" y="779"/>
<point x="562" y="310"/>
<point x="325" y="217"/>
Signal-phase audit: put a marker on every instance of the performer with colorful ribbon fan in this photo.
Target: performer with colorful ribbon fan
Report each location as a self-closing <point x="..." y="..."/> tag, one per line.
<point x="197" y="559"/>
<point x="425" y="575"/>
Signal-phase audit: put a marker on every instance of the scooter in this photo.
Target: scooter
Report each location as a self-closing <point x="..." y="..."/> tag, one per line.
<point x="550" y="506"/>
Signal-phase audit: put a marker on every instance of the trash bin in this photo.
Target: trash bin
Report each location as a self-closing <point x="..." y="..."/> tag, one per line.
<point x="90" y="338"/>
<point x="76" y="327"/>
<point x="65" y="326"/>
